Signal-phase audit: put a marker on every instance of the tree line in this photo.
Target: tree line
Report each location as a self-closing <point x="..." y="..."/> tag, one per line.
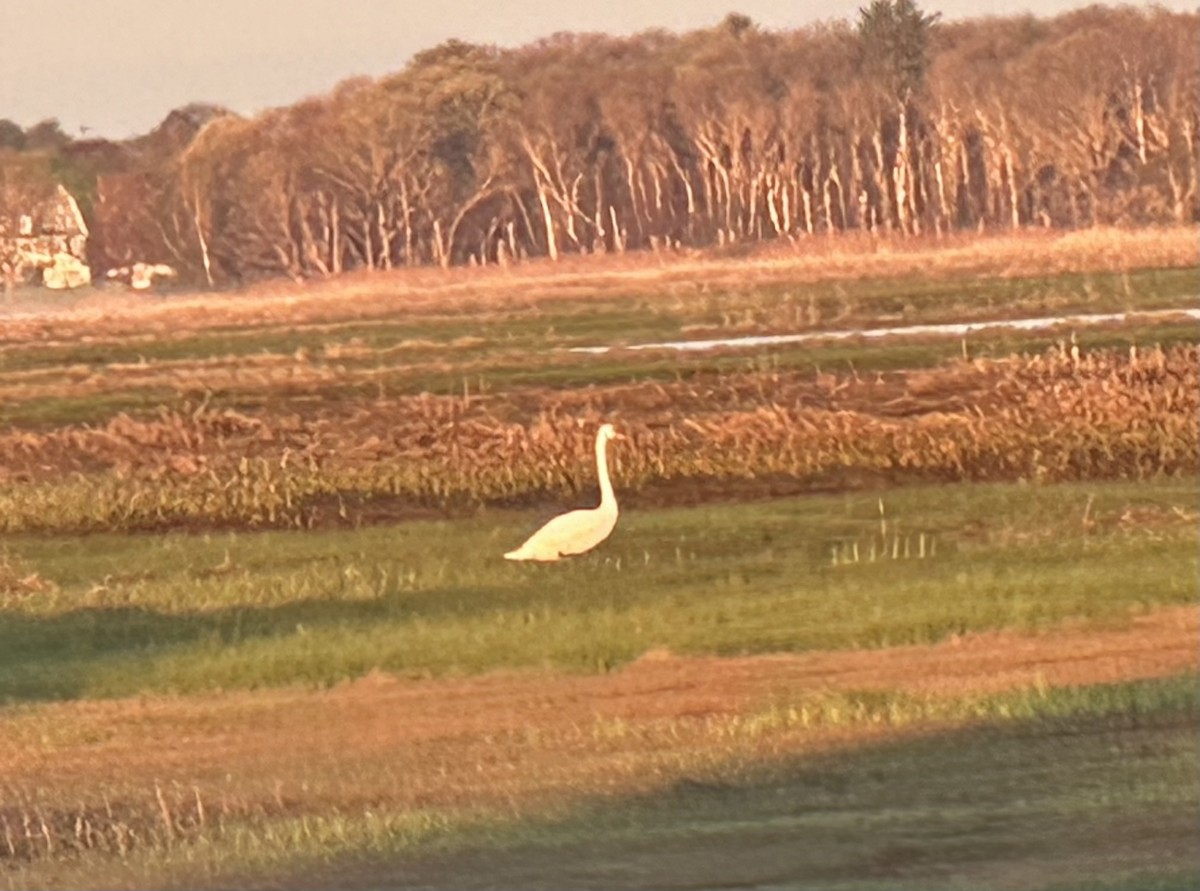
<point x="895" y="123"/>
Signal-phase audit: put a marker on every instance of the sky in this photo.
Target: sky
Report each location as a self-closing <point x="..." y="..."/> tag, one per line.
<point x="115" y="68"/>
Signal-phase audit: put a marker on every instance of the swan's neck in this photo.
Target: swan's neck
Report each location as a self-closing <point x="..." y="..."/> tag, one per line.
<point x="607" y="498"/>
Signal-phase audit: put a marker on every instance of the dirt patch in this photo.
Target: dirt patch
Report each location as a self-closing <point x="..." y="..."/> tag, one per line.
<point x="154" y="773"/>
<point x="438" y="726"/>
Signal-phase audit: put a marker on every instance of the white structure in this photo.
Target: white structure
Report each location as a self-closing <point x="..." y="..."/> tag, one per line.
<point x="141" y="276"/>
<point x="66" y="271"/>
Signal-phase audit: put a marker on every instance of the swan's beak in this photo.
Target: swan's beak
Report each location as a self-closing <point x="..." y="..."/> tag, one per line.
<point x="619" y="436"/>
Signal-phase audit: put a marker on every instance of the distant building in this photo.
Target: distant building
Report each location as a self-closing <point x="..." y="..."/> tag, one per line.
<point x="46" y="235"/>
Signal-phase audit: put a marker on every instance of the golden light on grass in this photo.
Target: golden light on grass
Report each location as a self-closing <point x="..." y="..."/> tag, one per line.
<point x="367" y="295"/>
<point x="1062" y="415"/>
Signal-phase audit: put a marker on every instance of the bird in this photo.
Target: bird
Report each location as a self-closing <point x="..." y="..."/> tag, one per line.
<point x="579" y="530"/>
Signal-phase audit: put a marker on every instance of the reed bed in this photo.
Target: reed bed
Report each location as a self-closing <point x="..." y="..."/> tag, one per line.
<point x="1058" y="416"/>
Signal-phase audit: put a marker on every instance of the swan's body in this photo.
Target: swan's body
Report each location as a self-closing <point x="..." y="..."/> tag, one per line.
<point x="580" y="530"/>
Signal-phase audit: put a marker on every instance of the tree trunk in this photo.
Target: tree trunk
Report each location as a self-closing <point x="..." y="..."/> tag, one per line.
<point x="406" y="211"/>
<point x="548" y="219"/>
<point x="335" y="238"/>
<point x="785" y="201"/>
<point x="440" y="254"/>
<point x="900" y="175"/>
<point x="385" y="236"/>
<point x="1139" y="121"/>
<point x="886" y="216"/>
<point x="204" y="257"/>
<point x="368" y="240"/>
<point x="617" y="237"/>
<point x="1014" y="208"/>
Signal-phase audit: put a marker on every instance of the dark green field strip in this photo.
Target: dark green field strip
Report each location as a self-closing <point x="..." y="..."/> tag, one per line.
<point x="495" y="371"/>
<point x="498" y="329"/>
<point x="913" y="300"/>
<point x="1059" y="788"/>
<point x="47" y="414"/>
<point x="126" y="614"/>
<point x="1103" y="787"/>
<point x="634" y="316"/>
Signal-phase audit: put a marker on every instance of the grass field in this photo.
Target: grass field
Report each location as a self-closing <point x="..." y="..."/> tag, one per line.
<point x="181" y="613"/>
<point x="914" y="611"/>
<point x="1030" y="784"/>
<point x="871" y="773"/>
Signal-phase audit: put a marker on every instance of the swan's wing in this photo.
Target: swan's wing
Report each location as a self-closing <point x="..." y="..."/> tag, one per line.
<point x="569" y="533"/>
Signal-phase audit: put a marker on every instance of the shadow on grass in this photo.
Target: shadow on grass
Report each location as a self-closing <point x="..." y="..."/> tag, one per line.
<point x="1104" y="800"/>
<point x="58" y="657"/>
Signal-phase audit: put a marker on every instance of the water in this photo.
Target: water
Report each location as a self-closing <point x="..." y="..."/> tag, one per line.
<point x="957" y="329"/>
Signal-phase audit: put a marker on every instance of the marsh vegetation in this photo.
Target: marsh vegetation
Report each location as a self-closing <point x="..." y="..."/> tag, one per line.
<point x="907" y="611"/>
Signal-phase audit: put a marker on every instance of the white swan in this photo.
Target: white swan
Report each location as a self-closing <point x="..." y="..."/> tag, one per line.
<point x="580" y="530"/>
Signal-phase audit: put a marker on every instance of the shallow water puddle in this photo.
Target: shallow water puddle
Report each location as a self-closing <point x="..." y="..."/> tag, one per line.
<point x="956" y="329"/>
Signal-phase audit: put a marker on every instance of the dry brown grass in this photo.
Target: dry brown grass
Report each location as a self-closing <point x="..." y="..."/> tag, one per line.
<point x="18" y="581"/>
<point x="1064" y="415"/>
<point x="122" y="775"/>
<point x="368" y="295"/>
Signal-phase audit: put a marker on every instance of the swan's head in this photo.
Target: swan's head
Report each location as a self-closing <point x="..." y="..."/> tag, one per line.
<point x="608" y="432"/>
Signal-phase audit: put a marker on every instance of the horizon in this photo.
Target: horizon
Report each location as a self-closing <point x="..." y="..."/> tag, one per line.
<point x="312" y="48"/>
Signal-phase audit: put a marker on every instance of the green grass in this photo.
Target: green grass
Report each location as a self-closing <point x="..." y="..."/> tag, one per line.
<point x="861" y="355"/>
<point x="185" y="613"/>
<point x="524" y="346"/>
<point x="1068" y="788"/>
<point x="633" y="316"/>
<point x="491" y="369"/>
<point x="1099" y="782"/>
<point x="1091" y="787"/>
<point x="1074" y="785"/>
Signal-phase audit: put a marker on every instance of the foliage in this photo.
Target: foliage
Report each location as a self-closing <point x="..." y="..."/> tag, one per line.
<point x="895" y="36"/>
<point x="11" y="135"/>
<point x="46" y="136"/>
<point x="903" y="125"/>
